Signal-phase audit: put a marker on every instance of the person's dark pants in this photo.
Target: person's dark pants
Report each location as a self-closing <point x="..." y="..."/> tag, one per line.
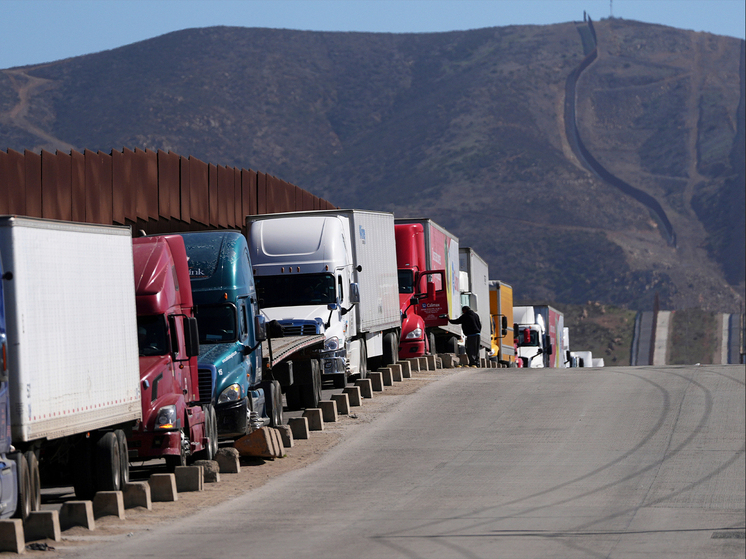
<point x="472" y="349"/>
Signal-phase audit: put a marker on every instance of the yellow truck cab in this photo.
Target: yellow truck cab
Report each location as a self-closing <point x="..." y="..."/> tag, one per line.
<point x="501" y="323"/>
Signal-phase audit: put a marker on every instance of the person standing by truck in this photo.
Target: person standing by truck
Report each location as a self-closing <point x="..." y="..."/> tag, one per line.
<point x="472" y="328"/>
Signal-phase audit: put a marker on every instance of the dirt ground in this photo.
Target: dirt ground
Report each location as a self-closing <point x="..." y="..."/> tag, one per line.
<point x="254" y="472"/>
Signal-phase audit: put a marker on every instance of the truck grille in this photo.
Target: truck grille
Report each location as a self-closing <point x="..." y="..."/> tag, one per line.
<point x="299" y="329"/>
<point x="204" y="377"/>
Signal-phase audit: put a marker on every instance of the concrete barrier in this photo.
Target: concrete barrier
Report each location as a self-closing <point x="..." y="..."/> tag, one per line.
<point x="414" y="364"/>
<point x="11" y="535"/>
<point x="210" y="470"/>
<point x="482" y="363"/>
<point x="396" y="374"/>
<point x="424" y="363"/>
<point x="42" y="525"/>
<point x="286" y="434"/>
<point x="277" y="441"/>
<point x="329" y="410"/>
<point x="108" y="503"/>
<point x="387" y="376"/>
<point x="354" y="396"/>
<point x="163" y="488"/>
<point x="228" y="460"/>
<point x="299" y="427"/>
<point x="431" y="362"/>
<point x="366" y="387"/>
<point x="343" y="403"/>
<point x="77" y="513"/>
<point x="406" y="368"/>
<point x="258" y="443"/>
<point x="137" y="494"/>
<point x="315" y="419"/>
<point x="449" y="360"/>
<point x="189" y="478"/>
<point x="376" y="381"/>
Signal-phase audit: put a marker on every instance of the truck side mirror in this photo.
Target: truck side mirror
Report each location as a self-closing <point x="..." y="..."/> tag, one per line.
<point x="191" y="337"/>
<point x="431" y="291"/>
<point x="274" y="330"/>
<point x="260" y="328"/>
<point x="354" y="293"/>
<point x="174" y="334"/>
<point x="504" y="325"/>
<point x="550" y="349"/>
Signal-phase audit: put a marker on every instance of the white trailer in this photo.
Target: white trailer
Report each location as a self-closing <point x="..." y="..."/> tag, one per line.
<point x="74" y="377"/>
<point x="339" y="277"/>
<point x="476" y="294"/>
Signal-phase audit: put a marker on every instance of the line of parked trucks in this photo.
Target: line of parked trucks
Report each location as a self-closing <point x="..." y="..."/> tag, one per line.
<point x="99" y="370"/>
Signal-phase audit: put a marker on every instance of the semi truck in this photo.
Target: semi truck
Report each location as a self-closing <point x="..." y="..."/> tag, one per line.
<point x="70" y="366"/>
<point x="554" y="321"/>
<point x="330" y="272"/>
<point x="231" y="331"/>
<point x="174" y="425"/>
<point x="428" y="265"/>
<point x="532" y="345"/>
<point x="501" y="323"/>
<point x="475" y="293"/>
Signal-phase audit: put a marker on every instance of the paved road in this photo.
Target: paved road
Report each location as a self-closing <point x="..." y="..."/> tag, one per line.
<point x="615" y="463"/>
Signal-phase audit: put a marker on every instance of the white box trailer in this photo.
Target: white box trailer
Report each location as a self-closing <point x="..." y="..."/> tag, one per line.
<point x="476" y="294"/>
<point x="325" y="256"/>
<point x="72" y="338"/>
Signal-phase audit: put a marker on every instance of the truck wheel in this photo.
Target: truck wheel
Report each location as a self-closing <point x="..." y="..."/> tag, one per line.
<point x="213" y="433"/>
<point x="34" y="480"/>
<point x="124" y="457"/>
<point x="275" y="395"/>
<point x="23" y="502"/>
<point x="431" y="342"/>
<point x="363" y="371"/>
<point x="108" y="470"/>
<point x="452" y="346"/>
<point x="390" y="348"/>
<point x="311" y="393"/>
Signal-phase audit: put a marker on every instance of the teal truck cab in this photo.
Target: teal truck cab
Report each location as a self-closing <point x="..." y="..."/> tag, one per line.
<point x="231" y="332"/>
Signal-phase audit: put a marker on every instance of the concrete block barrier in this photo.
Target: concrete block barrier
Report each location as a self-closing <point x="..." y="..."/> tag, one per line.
<point x="424" y="363"/>
<point x="366" y="387"/>
<point x="228" y="461"/>
<point x="137" y="494"/>
<point x="299" y="427"/>
<point x="11" y="535"/>
<point x="449" y="360"/>
<point x="387" y="376"/>
<point x="315" y="419"/>
<point x="328" y="410"/>
<point x="376" y="381"/>
<point x="210" y="470"/>
<point x="189" y="478"/>
<point x="431" y="362"/>
<point x="163" y="488"/>
<point x="286" y="434"/>
<point x="108" y="503"/>
<point x="355" y="399"/>
<point x="42" y="525"/>
<point x="277" y="442"/>
<point x="258" y="443"/>
<point x="343" y="403"/>
<point x="482" y="363"/>
<point x="406" y="368"/>
<point x="414" y="365"/>
<point x="77" y="513"/>
<point x="396" y="372"/>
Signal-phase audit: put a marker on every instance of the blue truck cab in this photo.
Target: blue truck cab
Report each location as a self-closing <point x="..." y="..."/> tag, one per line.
<point x="231" y="332"/>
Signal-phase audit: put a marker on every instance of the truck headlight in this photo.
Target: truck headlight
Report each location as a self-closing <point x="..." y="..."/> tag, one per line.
<point x="166" y="418"/>
<point x="415" y="334"/>
<point x="331" y="344"/>
<point x="230" y="394"/>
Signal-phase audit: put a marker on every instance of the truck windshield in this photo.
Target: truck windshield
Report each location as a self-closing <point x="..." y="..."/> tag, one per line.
<point x="152" y="336"/>
<point x="406" y="281"/>
<point x="216" y="323"/>
<point x="295" y="291"/>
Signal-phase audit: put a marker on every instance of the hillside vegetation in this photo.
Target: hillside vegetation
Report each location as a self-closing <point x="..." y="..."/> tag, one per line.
<point x="463" y="127"/>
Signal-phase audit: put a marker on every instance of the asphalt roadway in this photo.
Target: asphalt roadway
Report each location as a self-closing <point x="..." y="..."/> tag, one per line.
<point x="621" y="462"/>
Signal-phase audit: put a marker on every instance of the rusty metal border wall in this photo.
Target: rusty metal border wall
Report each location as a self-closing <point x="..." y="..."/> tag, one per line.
<point x="158" y="192"/>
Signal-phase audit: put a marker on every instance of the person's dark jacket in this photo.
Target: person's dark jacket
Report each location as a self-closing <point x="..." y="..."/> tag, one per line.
<point x="470" y="323"/>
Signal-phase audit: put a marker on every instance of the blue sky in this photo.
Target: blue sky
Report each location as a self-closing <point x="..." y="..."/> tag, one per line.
<point x="37" y="31"/>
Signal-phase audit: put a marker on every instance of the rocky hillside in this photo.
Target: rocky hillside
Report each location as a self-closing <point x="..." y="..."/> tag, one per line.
<point x="464" y="127"/>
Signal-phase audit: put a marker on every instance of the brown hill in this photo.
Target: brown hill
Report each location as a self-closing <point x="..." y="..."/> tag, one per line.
<point x="464" y="127"/>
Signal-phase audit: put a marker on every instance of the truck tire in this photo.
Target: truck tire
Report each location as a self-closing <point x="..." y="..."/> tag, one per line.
<point x="214" y="430"/>
<point x="108" y="470"/>
<point x="363" y="370"/>
<point x="275" y="415"/>
<point x="23" y="502"/>
<point x="179" y="459"/>
<point x="208" y="451"/>
<point x="34" y="480"/>
<point x="390" y="348"/>
<point x="124" y="458"/>
<point x="431" y="342"/>
<point x="452" y="345"/>
<point x="311" y="393"/>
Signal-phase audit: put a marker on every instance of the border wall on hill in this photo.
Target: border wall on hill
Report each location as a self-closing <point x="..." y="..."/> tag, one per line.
<point x="157" y="192"/>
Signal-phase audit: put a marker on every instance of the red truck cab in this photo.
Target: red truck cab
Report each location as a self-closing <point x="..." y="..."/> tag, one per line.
<point x="174" y="426"/>
<point x="421" y="302"/>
